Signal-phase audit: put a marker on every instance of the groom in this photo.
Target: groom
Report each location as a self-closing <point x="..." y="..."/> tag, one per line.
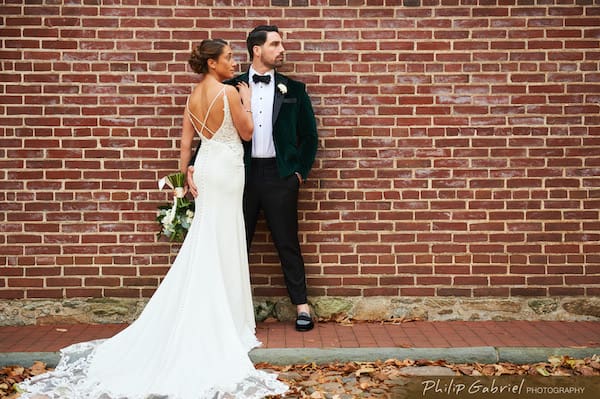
<point x="278" y="158"/>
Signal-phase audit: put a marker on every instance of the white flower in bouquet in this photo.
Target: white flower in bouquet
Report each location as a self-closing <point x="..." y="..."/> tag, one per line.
<point x="169" y="217"/>
<point x="189" y="215"/>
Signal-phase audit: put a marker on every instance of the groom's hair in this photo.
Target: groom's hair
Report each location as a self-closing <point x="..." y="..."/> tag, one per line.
<point x="258" y="37"/>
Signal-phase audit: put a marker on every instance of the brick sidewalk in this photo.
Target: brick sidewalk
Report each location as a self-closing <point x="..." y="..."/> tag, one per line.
<point x="418" y="334"/>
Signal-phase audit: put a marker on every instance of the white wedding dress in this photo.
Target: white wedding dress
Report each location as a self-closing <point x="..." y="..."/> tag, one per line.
<point x="193" y="337"/>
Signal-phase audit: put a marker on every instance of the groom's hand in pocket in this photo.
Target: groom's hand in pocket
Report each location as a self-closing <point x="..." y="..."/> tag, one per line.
<point x="190" y="181"/>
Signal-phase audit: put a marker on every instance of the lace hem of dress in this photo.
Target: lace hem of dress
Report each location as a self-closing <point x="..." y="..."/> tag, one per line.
<point x="70" y="380"/>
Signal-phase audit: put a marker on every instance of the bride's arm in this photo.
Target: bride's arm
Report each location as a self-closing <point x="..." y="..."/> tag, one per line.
<point x="241" y="110"/>
<point x="187" y="136"/>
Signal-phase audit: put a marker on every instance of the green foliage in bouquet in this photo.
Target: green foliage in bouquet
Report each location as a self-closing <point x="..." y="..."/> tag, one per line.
<point x="175" y="219"/>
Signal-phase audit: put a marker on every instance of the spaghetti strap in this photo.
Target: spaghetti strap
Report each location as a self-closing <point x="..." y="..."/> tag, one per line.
<point x="195" y="118"/>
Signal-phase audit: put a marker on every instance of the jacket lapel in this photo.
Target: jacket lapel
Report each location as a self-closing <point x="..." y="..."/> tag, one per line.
<point x="278" y="99"/>
<point x="245" y="77"/>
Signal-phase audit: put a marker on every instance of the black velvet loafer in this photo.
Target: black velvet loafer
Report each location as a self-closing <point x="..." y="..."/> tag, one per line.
<point x="304" y="322"/>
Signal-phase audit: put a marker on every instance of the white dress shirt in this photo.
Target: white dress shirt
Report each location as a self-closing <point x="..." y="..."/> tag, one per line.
<point x="262" y="115"/>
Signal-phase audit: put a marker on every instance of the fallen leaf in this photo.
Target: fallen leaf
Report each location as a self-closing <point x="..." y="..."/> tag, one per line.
<point x="586" y="371"/>
<point x="38" y="368"/>
<point x="15" y="371"/>
<point x="542" y="371"/>
<point x="364" y="370"/>
<point x="380" y="375"/>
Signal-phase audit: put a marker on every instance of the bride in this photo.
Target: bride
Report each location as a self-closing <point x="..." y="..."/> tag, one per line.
<point x="193" y="337"/>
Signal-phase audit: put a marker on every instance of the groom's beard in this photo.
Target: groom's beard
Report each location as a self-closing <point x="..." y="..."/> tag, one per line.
<point x="278" y="63"/>
<point x="274" y="64"/>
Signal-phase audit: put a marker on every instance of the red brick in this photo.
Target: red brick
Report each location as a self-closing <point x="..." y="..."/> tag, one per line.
<point x="491" y="292"/>
<point x="44" y="293"/>
<point x="63" y="282"/>
<point x="102" y="281"/>
<point x="417" y="291"/>
<point x="42" y="271"/>
<point x="14" y="282"/>
<point x="516" y="291"/>
<point x="122" y="292"/>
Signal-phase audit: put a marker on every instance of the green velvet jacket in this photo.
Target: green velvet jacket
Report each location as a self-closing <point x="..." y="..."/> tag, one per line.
<point x="294" y="127"/>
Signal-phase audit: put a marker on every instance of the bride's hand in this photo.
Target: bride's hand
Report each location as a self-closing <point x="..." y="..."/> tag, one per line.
<point x="245" y="93"/>
<point x="190" y="181"/>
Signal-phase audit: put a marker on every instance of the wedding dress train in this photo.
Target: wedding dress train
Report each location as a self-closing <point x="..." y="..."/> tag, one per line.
<point x="193" y="337"/>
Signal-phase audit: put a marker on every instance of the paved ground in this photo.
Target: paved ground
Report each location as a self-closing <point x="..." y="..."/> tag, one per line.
<point x="458" y="341"/>
<point x="327" y="363"/>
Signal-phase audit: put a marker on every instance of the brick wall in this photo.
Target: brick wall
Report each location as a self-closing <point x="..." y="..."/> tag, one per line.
<point x="459" y="143"/>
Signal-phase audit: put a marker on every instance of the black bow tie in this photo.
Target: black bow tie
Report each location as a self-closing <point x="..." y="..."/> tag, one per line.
<point x="260" y="78"/>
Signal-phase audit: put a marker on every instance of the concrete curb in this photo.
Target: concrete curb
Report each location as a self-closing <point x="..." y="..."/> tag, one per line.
<point x="26" y="359"/>
<point x="484" y="354"/>
<point x="541" y="354"/>
<point x="283" y="356"/>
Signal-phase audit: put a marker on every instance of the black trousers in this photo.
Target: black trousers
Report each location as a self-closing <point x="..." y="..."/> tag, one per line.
<point x="278" y="198"/>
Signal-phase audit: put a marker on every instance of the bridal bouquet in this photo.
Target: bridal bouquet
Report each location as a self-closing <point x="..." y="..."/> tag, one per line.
<point x="175" y="219"/>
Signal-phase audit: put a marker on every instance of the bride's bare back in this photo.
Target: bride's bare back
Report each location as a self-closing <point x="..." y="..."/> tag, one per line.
<point x="206" y="103"/>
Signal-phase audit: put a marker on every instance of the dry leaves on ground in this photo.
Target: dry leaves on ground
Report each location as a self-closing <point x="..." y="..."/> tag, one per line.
<point x="378" y="379"/>
<point x="360" y="379"/>
<point x="12" y="375"/>
<point x="344" y="320"/>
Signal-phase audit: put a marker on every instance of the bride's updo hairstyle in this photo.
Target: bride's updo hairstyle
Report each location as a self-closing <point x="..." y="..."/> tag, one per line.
<point x="208" y="49"/>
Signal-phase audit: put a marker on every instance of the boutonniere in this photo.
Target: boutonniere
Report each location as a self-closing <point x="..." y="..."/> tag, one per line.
<point x="282" y="88"/>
